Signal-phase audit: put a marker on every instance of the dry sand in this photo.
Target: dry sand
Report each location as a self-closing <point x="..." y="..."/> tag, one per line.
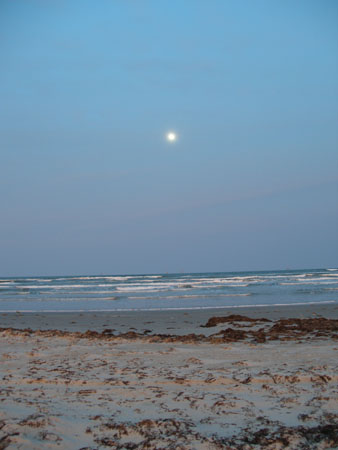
<point x="144" y="389"/>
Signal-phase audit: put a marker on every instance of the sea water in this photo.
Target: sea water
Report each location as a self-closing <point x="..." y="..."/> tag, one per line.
<point x="168" y="291"/>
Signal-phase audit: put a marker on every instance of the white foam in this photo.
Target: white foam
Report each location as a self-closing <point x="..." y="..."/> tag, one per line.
<point x="170" y="286"/>
<point x="319" y="279"/>
<point x="164" y="309"/>
<point x="56" y="287"/>
<point x="173" y="297"/>
<point x="117" y="278"/>
<point x="140" y="289"/>
<point x="19" y="280"/>
<point x="149" y="276"/>
<point x="220" y="280"/>
<point x="109" y="277"/>
<point x="301" y="283"/>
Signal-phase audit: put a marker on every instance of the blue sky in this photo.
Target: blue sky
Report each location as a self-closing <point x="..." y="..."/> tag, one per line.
<point x="89" y="89"/>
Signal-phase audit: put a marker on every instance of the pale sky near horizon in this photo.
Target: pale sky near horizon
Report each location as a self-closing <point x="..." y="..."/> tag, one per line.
<point x="88" y="91"/>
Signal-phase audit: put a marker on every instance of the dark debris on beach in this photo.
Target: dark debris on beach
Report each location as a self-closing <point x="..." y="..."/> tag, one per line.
<point x="282" y="329"/>
<point x="178" y="434"/>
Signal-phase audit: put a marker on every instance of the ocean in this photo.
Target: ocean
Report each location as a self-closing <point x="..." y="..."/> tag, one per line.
<point x="168" y="291"/>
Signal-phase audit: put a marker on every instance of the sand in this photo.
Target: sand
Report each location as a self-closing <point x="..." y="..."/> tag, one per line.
<point x="173" y="322"/>
<point x="149" y="382"/>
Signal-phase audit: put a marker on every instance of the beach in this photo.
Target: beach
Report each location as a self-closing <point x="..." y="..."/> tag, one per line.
<point x="249" y="378"/>
<point x="168" y="227"/>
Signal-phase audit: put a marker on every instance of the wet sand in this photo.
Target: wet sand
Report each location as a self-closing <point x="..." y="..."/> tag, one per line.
<point x="165" y="380"/>
<point x="173" y="322"/>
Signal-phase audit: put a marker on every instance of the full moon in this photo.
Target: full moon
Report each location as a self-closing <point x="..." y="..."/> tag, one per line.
<point x="171" y="136"/>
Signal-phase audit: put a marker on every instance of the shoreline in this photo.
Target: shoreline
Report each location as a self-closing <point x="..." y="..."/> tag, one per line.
<point x="183" y="308"/>
<point x="160" y="321"/>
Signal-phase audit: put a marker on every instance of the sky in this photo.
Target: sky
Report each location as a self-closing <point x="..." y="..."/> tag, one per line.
<point x="90" y="185"/>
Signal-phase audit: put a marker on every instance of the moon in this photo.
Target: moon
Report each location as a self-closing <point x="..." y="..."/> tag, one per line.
<point x="171" y="136"/>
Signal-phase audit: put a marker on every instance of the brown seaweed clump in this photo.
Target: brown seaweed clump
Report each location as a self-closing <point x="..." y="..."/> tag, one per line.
<point x="213" y="321"/>
<point x="180" y="434"/>
<point x="294" y="328"/>
<point x="283" y="329"/>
